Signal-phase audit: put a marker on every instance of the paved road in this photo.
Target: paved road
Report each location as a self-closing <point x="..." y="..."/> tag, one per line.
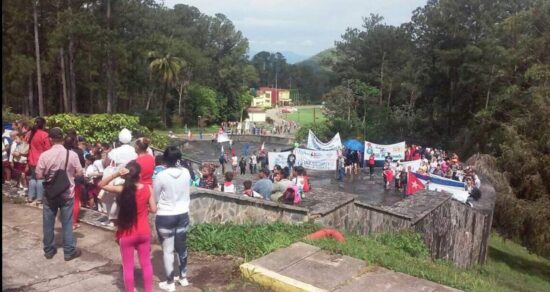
<point x="24" y="267"/>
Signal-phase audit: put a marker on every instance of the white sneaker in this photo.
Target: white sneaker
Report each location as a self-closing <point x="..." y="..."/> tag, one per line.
<point x="167" y="287"/>
<point x="183" y="281"/>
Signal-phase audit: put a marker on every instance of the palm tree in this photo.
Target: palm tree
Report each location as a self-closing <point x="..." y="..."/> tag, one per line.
<point x="167" y="67"/>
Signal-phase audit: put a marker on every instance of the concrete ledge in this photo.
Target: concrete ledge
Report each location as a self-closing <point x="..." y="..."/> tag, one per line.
<point x="275" y="281"/>
<point x="197" y="192"/>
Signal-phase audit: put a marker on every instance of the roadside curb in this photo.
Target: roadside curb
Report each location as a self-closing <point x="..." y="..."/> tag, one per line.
<point x="273" y="280"/>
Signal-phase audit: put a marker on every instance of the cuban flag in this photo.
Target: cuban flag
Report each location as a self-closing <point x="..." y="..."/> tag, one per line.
<point x="441" y="184"/>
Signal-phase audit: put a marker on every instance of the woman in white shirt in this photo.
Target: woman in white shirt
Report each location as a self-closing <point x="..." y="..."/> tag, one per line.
<point x="171" y="188"/>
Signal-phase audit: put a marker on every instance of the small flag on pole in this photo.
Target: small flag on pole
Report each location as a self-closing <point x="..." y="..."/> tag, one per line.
<point x="262" y="147"/>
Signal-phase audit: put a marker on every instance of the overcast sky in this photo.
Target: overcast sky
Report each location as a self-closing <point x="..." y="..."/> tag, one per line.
<point x="304" y="27"/>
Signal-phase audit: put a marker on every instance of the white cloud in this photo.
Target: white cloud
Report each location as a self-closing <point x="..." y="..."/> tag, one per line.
<point x="302" y="26"/>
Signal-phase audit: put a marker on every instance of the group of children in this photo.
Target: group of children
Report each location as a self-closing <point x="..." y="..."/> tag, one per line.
<point x="286" y="187"/>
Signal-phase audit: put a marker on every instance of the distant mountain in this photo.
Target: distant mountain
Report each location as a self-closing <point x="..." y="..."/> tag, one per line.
<point x="322" y="60"/>
<point x="291" y="57"/>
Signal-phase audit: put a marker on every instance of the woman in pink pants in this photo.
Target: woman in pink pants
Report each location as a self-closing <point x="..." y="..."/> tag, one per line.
<point x="135" y="201"/>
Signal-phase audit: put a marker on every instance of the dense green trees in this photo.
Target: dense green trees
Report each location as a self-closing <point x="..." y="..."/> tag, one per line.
<point x="93" y="57"/>
<point x="470" y="76"/>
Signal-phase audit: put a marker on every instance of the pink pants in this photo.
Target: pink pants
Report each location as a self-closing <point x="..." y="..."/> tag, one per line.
<point x="143" y="245"/>
<point x="76" y="205"/>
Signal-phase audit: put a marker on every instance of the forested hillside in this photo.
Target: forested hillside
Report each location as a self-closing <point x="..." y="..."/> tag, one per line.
<point x="122" y="56"/>
<point x="469" y="76"/>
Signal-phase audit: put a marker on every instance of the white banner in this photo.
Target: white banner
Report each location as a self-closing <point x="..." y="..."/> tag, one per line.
<point x="314" y="143"/>
<point x="223" y="138"/>
<point x="442" y="184"/>
<point x="396" y="150"/>
<point x="279" y="158"/>
<point x="316" y="159"/>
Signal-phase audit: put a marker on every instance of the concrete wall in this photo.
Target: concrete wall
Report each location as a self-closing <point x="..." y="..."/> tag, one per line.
<point x="457" y="233"/>
<point x="451" y="230"/>
<point x="216" y="207"/>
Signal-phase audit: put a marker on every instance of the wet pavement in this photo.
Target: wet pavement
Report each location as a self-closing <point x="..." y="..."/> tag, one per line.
<point x="368" y="190"/>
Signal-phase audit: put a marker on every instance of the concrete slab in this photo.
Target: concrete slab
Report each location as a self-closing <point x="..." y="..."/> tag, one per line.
<point x="22" y="252"/>
<point x="324" y="270"/>
<point x="285" y="257"/>
<point x="302" y="267"/>
<point x="381" y="279"/>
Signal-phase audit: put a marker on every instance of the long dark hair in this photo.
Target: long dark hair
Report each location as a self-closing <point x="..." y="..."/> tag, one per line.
<point x="39" y="124"/>
<point x="127" y="215"/>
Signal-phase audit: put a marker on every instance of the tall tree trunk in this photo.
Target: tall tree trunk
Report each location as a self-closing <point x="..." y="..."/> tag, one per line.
<point x="109" y="73"/>
<point x="489" y="88"/>
<point x="90" y="80"/>
<point x="41" y="111"/>
<point x="180" y="94"/>
<point x="72" y="74"/>
<point x="389" y="93"/>
<point x="163" y="109"/>
<point x="450" y="104"/>
<point x="148" y="105"/>
<point x="66" y="104"/>
<point x="382" y="78"/>
<point x="31" y="97"/>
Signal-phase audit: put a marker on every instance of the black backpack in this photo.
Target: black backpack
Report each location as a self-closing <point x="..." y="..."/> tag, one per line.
<point x="58" y="185"/>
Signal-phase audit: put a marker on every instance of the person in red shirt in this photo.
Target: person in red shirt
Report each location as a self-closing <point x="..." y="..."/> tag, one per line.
<point x="135" y="201"/>
<point x="38" y="142"/>
<point x="145" y="160"/>
<point x="372" y="162"/>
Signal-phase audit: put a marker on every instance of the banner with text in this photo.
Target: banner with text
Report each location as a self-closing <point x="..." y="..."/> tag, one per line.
<point x="316" y="159"/>
<point x="314" y="143"/>
<point x="277" y="158"/>
<point x="396" y="150"/>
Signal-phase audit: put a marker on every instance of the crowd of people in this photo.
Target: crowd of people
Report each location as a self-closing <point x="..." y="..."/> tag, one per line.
<point x="126" y="182"/>
<point x="433" y="162"/>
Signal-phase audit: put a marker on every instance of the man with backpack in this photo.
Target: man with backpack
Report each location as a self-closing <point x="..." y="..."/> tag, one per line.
<point x="58" y="167"/>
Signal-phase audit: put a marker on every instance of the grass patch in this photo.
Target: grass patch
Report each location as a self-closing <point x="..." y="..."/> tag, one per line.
<point x="246" y="241"/>
<point x="304" y="116"/>
<point x="510" y="267"/>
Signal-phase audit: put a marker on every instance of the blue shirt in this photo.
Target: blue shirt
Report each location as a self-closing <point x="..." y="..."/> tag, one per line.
<point x="264" y="188"/>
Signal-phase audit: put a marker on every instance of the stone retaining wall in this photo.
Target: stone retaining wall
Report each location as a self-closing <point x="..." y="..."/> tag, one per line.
<point x="451" y="230"/>
<point x="217" y="207"/>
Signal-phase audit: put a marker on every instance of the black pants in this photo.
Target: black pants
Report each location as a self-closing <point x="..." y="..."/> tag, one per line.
<point x="371" y="169"/>
<point x="243" y="169"/>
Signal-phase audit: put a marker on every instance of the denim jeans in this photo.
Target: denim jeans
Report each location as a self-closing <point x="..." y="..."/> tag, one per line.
<point x="172" y="233"/>
<point x="48" y="222"/>
<point x="36" y="189"/>
<point x="341" y="174"/>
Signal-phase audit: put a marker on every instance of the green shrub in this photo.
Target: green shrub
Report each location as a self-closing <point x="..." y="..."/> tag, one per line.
<point x="104" y="127"/>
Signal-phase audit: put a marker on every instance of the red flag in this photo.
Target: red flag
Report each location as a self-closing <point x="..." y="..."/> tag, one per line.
<point x="413" y="184"/>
